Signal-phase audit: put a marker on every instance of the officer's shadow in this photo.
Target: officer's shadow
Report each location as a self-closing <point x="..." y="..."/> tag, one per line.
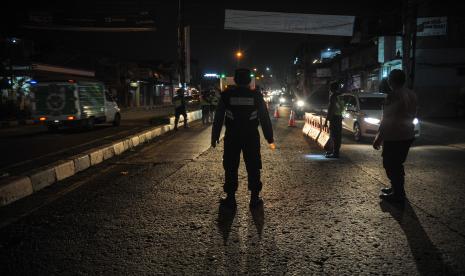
<point x="225" y="220"/>
<point x="226" y="215"/>
<point x="428" y="258"/>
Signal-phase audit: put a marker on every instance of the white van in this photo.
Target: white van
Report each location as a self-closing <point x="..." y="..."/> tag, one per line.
<point x="73" y="103"/>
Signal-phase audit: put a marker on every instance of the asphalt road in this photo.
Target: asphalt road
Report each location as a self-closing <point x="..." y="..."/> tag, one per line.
<point x="155" y="211"/>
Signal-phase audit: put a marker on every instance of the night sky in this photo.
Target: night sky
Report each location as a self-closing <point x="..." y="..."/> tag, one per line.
<point x="211" y="45"/>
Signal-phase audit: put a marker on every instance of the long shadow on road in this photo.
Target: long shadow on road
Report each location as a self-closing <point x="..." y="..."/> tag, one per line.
<point x="428" y="258"/>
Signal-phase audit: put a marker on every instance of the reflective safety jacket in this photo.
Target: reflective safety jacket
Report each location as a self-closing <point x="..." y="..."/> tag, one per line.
<point x="336" y="105"/>
<point x="241" y="110"/>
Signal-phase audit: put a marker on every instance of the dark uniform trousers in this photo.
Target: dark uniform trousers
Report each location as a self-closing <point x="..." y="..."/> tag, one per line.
<point x="335" y="133"/>
<point x="247" y="142"/>
<point x="394" y="155"/>
<point x="177" y="113"/>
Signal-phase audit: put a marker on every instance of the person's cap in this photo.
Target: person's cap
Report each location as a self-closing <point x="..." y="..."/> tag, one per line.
<point x="242" y="76"/>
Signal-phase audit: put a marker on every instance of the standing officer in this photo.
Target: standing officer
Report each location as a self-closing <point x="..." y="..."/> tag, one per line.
<point x="179" y="108"/>
<point x="241" y="110"/>
<point x="396" y="134"/>
<point x="335" y="108"/>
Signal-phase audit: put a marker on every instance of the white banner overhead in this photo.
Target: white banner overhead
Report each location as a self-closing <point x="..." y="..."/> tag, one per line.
<point x="319" y="24"/>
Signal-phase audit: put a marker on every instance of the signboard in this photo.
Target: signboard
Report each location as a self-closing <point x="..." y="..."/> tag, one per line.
<point x="431" y="26"/>
<point x="320" y="24"/>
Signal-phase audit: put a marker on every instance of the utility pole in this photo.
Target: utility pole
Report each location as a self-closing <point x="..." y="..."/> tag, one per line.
<point x="181" y="45"/>
<point x="409" y="20"/>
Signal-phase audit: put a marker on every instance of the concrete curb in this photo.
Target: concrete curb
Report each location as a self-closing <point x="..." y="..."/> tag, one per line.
<point x="16" y="187"/>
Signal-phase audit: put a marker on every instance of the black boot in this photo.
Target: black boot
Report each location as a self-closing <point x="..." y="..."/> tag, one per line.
<point x="386" y="190"/>
<point x="229" y="201"/>
<point x="255" y="200"/>
<point x="393" y="197"/>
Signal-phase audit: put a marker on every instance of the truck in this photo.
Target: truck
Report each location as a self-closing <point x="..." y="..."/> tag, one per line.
<point x="73" y="104"/>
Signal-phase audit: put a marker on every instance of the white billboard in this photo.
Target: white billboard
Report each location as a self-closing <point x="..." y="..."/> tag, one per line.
<point x="320" y="24"/>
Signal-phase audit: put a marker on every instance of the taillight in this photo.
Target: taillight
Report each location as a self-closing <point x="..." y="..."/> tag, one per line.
<point x="70" y="118"/>
<point x="43" y="119"/>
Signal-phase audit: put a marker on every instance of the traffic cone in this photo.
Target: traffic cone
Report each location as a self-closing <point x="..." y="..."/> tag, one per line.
<point x="291" y="119"/>
<point x="276" y="112"/>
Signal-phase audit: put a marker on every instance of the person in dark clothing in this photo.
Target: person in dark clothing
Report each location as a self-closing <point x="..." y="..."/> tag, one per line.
<point x="396" y="134"/>
<point x="242" y="110"/>
<point x="334" y="116"/>
<point x="205" y="106"/>
<point x="179" y="108"/>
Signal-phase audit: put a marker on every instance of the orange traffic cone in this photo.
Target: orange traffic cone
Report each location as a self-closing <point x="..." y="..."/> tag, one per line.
<point x="291" y="119"/>
<point x="276" y="112"/>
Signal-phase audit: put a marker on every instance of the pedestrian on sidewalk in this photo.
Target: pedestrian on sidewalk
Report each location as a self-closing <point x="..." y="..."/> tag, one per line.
<point x="214" y="99"/>
<point x="396" y="134"/>
<point x="242" y="110"/>
<point x="334" y="116"/>
<point x="205" y="106"/>
<point x="179" y="108"/>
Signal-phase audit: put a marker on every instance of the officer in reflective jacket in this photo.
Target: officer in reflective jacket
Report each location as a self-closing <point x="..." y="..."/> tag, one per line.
<point x="241" y="110"/>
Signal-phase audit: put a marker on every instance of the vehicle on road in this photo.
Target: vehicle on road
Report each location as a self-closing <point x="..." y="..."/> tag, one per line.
<point x="362" y="114"/>
<point x="286" y="100"/>
<point x="73" y="104"/>
<point x="299" y="107"/>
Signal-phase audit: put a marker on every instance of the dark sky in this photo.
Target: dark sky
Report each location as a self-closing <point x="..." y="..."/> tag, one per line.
<point x="212" y="46"/>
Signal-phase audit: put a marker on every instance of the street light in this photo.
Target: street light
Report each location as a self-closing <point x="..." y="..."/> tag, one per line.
<point x="267" y="68"/>
<point x="239" y="56"/>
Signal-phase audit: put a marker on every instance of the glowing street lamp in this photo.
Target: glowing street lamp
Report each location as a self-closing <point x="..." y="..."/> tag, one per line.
<point x="239" y="54"/>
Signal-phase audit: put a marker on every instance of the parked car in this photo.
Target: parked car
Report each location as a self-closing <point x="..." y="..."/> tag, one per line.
<point x="74" y="103"/>
<point x="362" y="114"/>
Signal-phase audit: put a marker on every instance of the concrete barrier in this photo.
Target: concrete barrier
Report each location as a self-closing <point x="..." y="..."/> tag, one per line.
<point x="96" y="157"/>
<point x="118" y="148"/>
<point x="81" y="162"/>
<point x="64" y="169"/>
<point x="314" y="128"/>
<point x="42" y="177"/>
<point x="135" y="141"/>
<point x="14" y="188"/>
<point x="108" y="152"/>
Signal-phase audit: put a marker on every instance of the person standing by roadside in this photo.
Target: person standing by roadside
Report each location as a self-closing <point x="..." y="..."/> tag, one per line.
<point x="205" y="106"/>
<point x="335" y="108"/>
<point x="179" y="108"/>
<point x="214" y="98"/>
<point x="396" y="134"/>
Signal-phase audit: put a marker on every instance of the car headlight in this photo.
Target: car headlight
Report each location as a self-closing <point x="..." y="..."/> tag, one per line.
<point x="372" y="121"/>
<point x="415" y="121"/>
<point x="300" y="103"/>
<point x="282" y="100"/>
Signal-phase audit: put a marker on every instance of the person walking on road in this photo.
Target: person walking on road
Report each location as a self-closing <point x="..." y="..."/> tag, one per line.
<point x="205" y="106"/>
<point x="396" y="134"/>
<point x="334" y="116"/>
<point x="242" y="110"/>
<point x="179" y="108"/>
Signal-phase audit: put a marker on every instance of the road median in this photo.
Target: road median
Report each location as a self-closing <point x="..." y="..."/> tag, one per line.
<point x="13" y="188"/>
